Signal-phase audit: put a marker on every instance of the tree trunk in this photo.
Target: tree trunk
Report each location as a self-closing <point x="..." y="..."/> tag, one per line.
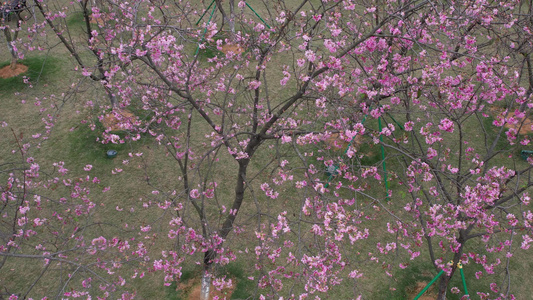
<point x="527" y="56"/>
<point x="209" y="256"/>
<point x="443" y="287"/>
<point x="13" y="63"/>
<point x="232" y="18"/>
<point x="10" y="39"/>
<point x="206" y="284"/>
<point x="111" y="96"/>
<point x="225" y="18"/>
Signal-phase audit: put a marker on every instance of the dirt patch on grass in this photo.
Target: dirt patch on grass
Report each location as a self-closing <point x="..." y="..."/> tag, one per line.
<point x="192" y="290"/>
<point x="522" y="124"/>
<point x="115" y="121"/>
<point x="7" y="72"/>
<point x="420" y="285"/>
<point x="101" y="20"/>
<point x="237" y="49"/>
<point x="336" y="142"/>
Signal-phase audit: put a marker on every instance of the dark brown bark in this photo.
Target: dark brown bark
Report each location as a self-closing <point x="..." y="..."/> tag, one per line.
<point x="443" y="287"/>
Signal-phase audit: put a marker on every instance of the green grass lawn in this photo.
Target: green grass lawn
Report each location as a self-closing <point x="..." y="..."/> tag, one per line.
<point x="40" y="68"/>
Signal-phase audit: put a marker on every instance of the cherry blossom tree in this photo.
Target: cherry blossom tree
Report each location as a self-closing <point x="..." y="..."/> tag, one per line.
<point x="443" y="88"/>
<point x="463" y="193"/>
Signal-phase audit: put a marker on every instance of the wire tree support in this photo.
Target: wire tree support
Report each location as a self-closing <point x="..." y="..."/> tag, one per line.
<point x="207" y="25"/>
<point x="331" y="172"/>
<point x="459" y="266"/>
